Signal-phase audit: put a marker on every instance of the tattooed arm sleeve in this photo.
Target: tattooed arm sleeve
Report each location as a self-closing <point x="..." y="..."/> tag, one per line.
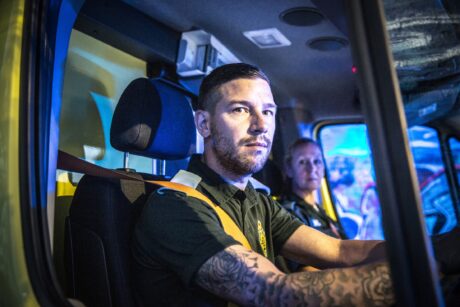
<point x="249" y="279"/>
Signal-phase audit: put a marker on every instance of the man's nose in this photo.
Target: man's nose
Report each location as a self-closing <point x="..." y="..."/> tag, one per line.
<point x="259" y="123"/>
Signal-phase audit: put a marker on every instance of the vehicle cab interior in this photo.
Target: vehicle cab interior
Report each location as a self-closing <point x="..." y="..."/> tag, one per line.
<point x="98" y="109"/>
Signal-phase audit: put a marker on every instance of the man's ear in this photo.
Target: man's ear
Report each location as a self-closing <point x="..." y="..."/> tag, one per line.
<point x="202" y="122"/>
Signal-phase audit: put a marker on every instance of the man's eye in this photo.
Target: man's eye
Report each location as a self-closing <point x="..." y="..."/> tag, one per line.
<point x="268" y="112"/>
<point x="240" y="110"/>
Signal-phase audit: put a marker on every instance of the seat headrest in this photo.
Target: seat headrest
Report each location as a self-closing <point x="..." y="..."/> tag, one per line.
<point x="153" y="119"/>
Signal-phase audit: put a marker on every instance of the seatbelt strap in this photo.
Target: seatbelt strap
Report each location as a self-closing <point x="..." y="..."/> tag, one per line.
<point x="74" y="164"/>
<point x="227" y="222"/>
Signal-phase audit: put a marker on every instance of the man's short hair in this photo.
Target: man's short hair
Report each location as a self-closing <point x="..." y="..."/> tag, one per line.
<point x="223" y="74"/>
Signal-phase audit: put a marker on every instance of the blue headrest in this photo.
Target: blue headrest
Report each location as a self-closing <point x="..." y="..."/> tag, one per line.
<point x="153" y="119"/>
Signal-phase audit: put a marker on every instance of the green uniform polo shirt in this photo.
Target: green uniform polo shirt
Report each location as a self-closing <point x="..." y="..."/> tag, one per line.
<point x="176" y="234"/>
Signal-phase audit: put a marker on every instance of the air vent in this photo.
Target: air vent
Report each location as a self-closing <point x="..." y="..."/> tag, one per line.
<point x="327" y="43"/>
<point x="302" y="16"/>
<point x="267" y="38"/>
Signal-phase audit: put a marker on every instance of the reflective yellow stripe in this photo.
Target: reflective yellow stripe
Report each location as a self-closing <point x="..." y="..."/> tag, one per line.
<point x="327" y="201"/>
<point x="228" y="224"/>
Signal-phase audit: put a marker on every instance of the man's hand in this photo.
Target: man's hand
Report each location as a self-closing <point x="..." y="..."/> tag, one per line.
<point x="247" y="278"/>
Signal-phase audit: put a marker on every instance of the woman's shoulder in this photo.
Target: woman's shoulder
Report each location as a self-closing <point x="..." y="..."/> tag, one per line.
<point x="288" y="201"/>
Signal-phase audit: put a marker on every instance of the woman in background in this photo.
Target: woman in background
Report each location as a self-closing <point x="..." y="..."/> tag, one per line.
<point x="304" y="168"/>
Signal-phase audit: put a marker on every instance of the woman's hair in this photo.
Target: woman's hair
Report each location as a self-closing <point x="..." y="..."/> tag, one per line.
<point x="296" y="144"/>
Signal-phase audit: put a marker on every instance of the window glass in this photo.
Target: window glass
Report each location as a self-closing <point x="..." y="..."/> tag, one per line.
<point x="349" y="173"/>
<point x="95" y="76"/>
<point x="351" y="178"/>
<point x="434" y="188"/>
<point x="425" y="42"/>
<point x="455" y="149"/>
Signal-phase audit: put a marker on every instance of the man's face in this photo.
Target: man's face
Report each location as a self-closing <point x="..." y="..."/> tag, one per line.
<point x="243" y="125"/>
<point x="306" y="168"/>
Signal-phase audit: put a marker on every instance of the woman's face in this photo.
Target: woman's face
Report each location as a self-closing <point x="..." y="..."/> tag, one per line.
<point x="306" y="168"/>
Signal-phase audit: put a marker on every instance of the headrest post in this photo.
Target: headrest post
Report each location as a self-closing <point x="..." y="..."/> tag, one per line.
<point x="126" y="160"/>
<point x="158" y="167"/>
<point x="162" y="167"/>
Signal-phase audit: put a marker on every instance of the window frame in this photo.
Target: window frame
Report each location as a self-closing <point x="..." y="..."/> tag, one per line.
<point x="44" y="33"/>
<point x="451" y="172"/>
<point x="409" y="252"/>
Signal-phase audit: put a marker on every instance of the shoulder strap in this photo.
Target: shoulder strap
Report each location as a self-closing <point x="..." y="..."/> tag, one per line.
<point x="186" y="182"/>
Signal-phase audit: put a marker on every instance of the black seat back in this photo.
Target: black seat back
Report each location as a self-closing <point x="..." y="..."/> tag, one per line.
<point x="104" y="210"/>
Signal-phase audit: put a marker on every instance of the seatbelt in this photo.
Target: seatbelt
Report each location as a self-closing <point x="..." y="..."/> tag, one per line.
<point x="71" y="163"/>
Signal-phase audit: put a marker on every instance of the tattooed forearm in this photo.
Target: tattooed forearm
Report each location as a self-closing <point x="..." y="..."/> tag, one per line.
<point x="230" y="274"/>
<point x="368" y="285"/>
<point x="251" y="280"/>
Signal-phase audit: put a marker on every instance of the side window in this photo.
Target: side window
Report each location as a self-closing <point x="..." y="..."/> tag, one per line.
<point x="95" y="76"/>
<point x="351" y="179"/>
<point x="349" y="172"/>
<point x="434" y="188"/>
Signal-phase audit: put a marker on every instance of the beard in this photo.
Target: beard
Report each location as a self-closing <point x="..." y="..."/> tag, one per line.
<point x="238" y="163"/>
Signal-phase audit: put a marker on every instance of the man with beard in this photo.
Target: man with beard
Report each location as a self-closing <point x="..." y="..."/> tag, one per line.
<point x="183" y="256"/>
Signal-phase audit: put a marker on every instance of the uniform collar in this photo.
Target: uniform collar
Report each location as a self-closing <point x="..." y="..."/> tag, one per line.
<point x="216" y="187"/>
<point x="299" y="201"/>
<point x="295" y="198"/>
